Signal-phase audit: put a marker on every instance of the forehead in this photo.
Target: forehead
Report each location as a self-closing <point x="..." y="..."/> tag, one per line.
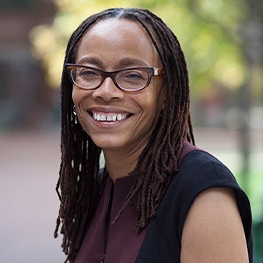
<point x="122" y="36"/>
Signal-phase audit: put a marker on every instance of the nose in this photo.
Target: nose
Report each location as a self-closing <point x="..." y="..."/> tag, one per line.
<point x="108" y="91"/>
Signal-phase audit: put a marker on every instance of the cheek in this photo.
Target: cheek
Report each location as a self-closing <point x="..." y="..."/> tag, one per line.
<point x="75" y="96"/>
<point x="149" y="104"/>
<point x="78" y="95"/>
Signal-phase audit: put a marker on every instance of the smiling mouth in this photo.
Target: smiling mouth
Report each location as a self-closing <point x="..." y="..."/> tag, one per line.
<point x="109" y="117"/>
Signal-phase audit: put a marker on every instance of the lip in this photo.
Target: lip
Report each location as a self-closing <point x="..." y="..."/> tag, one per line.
<point x="108" y="116"/>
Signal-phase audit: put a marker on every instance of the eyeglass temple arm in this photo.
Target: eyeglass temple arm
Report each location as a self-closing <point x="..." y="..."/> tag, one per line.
<point x="158" y="71"/>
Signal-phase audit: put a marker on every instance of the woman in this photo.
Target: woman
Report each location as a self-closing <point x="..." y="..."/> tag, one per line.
<point x="159" y="198"/>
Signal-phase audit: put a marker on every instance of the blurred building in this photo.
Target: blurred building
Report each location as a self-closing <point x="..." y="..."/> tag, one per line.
<point x="25" y="99"/>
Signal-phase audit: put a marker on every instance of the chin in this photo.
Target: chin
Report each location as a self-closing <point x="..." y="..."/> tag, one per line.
<point x="106" y="144"/>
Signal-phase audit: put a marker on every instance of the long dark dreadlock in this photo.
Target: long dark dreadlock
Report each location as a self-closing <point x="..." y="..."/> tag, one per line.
<point x="79" y="182"/>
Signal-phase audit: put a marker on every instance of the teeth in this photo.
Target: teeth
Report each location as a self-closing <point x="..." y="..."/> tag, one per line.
<point x="101" y="117"/>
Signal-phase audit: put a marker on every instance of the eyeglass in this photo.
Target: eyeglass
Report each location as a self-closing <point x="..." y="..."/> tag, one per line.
<point x="128" y="79"/>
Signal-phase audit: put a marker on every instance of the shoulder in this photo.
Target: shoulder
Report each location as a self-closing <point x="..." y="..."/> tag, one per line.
<point x="213" y="229"/>
<point x="200" y="170"/>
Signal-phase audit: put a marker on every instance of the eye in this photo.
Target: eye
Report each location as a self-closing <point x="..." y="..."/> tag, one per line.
<point x="87" y="73"/>
<point x="133" y="76"/>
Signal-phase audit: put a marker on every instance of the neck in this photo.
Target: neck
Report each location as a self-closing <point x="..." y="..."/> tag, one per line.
<point x="120" y="164"/>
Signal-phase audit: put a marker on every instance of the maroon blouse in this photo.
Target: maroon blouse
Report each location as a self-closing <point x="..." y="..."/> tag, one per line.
<point x="123" y="243"/>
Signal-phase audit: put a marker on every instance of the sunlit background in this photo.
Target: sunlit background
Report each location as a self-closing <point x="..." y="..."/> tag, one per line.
<point x="223" y="44"/>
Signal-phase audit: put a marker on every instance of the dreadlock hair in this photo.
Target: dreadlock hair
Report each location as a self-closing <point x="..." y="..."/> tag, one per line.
<point x="79" y="181"/>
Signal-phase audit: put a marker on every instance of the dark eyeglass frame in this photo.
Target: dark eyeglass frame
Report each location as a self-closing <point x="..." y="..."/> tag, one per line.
<point x="112" y="74"/>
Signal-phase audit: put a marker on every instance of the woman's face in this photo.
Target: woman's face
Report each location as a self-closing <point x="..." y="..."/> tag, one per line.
<point x="112" y="45"/>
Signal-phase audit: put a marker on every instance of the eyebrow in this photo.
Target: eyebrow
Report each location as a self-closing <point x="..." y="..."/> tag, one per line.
<point x="90" y="60"/>
<point x="124" y="62"/>
<point x="127" y="62"/>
